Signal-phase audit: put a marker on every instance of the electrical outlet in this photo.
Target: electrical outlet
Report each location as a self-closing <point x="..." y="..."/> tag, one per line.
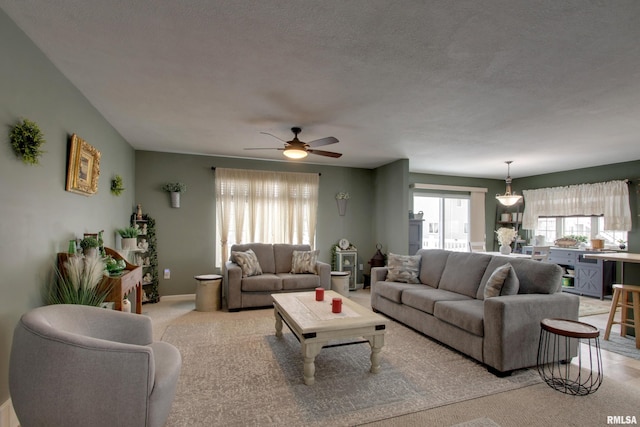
<point x="361" y="267"/>
<point x="167" y="273"/>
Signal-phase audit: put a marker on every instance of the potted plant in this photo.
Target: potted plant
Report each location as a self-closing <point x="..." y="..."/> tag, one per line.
<point x="26" y="139"/>
<point x="622" y="244"/>
<point x="89" y="246"/>
<point x="175" y="188"/>
<point x="78" y="281"/>
<point x="505" y="237"/>
<point x="129" y="238"/>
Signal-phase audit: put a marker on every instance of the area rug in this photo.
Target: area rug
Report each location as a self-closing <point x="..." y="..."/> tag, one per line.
<point x="592" y="306"/>
<point x="236" y="372"/>
<point x="625" y="346"/>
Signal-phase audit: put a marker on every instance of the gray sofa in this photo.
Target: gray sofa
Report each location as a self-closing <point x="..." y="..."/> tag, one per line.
<point x="449" y="305"/>
<point x="275" y="262"/>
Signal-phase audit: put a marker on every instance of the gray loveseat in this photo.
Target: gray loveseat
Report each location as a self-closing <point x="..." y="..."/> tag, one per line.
<point x="276" y="265"/>
<point x="449" y="305"/>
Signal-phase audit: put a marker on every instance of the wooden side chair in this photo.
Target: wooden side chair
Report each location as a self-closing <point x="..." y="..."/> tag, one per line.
<point x="540" y="253"/>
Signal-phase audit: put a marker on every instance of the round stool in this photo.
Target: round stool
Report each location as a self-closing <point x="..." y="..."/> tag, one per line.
<point x="208" y="292"/>
<point x="559" y="341"/>
<point x="340" y="282"/>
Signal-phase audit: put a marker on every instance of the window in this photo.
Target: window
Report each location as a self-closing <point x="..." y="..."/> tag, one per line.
<point x="446" y="221"/>
<point x="590" y="227"/>
<point x="265" y="207"/>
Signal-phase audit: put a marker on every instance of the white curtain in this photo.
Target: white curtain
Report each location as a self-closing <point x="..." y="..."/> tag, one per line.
<point x="265" y="207"/>
<point x="477" y="226"/>
<point x="610" y="199"/>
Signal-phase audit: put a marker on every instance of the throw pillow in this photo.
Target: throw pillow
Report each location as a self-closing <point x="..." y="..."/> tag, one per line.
<point x="403" y="268"/>
<point x="304" y="262"/>
<point x="248" y="262"/>
<point x="503" y="281"/>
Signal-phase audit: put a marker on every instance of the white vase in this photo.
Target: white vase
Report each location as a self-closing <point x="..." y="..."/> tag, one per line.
<point x="505" y="249"/>
<point x="126" y="305"/>
<point x="129" y="243"/>
<point x="175" y="199"/>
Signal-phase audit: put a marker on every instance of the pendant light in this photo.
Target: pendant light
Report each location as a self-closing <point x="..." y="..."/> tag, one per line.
<point x="508" y="198"/>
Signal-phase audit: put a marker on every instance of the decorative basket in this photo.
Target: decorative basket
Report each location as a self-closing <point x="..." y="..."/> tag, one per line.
<point x="565" y="242"/>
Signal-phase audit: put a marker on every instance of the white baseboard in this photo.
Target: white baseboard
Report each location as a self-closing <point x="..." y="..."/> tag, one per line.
<point x="8" y="417"/>
<point x="176" y="297"/>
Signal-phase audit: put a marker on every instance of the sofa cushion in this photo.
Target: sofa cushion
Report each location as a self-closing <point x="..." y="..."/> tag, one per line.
<point x="503" y="281"/>
<point x="263" y="283"/>
<point x="264" y="253"/>
<point x="432" y="265"/>
<point x="248" y="262"/>
<point x="424" y="297"/>
<point x="304" y="262"/>
<point x="534" y="277"/>
<point x="403" y="268"/>
<point x="467" y="315"/>
<point x="392" y="290"/>
<point x="283" y="255"/>
<point x="299" y="281"/>
<point x="463" y="272"/>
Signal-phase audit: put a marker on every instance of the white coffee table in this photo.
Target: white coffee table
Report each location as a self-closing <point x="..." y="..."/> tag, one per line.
<point x="315" y="325"/>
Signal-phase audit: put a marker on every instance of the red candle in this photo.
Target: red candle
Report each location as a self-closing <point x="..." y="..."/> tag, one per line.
<point x="319" y="294"/>
<point x="336" y="305"/>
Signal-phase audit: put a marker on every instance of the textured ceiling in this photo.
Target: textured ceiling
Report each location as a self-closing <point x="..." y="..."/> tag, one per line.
<point x="458" y="87"/>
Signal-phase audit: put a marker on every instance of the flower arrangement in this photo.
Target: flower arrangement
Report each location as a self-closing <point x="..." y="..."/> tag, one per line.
<point x="506" y="235"/>
<point x="117" y="186"/>
<point x="342" y="196"/>
<point x="78" y="281"/>
<point x="175" y="187"/>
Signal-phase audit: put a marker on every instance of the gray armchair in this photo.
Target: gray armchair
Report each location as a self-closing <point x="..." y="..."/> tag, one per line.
<point x="76" y="365"/>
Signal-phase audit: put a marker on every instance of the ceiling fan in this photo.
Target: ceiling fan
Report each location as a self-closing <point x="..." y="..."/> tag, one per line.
<point x="296" y="149"/>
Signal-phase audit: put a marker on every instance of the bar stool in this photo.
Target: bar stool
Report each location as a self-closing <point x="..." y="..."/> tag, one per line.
<point x="621" y="299"/>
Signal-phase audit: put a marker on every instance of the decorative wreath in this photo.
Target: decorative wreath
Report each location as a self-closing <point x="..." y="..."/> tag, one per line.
<point x="26" y="139"/>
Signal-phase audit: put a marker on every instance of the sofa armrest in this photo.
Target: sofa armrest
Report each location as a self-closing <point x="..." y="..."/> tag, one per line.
<point x="233" y="285"/>
<point x="324" y="271"/>
<point x="512" y="326"/>
<point x="378" y="274"/>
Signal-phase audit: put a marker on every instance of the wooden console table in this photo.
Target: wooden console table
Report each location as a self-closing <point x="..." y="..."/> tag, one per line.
<point x="121" y="285"/>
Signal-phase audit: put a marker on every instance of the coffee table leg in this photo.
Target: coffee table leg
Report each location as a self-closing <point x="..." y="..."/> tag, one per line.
<point x="278" y="322"/>
<point x="376" y="342"/>
<point x="309" y="352"/>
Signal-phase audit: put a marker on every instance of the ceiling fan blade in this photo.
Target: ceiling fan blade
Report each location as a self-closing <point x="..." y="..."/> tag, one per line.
<point x="322" y="141"/>
<point x="325" y="153"/>
<point x="264" y="148"/>
<point x="270" y="134"/>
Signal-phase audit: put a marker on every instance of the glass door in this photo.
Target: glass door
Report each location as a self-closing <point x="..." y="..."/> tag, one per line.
<point x="446" y="221"/>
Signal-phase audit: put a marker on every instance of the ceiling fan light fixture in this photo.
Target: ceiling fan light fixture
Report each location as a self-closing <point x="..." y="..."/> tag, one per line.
<point x="509" y="198"/>
<point x="295" y="153"/>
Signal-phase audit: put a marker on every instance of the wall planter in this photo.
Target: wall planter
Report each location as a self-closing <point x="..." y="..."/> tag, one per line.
<point x="341" y="201"/>
<point x="174" y="189"/>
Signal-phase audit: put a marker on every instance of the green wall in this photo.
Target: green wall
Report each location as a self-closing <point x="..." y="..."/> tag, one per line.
<point x="38" y="216"/>
<point x="391" y="195"/>
<point x="186" y="235"/>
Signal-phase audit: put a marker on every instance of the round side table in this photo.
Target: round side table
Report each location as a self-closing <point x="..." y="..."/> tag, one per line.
<point x="560" y="340"/>
<point x="208" y="292"/>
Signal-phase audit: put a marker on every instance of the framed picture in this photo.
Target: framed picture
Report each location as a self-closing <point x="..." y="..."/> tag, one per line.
<point x="83" y="168"/>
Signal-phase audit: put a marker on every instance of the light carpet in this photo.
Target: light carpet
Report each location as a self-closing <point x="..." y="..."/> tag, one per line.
<point x="236" y="372"/>
<point x="592" y="306"/>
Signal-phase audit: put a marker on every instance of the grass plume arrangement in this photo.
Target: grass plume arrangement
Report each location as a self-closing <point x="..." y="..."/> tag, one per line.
<point x="78" y="282"/>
